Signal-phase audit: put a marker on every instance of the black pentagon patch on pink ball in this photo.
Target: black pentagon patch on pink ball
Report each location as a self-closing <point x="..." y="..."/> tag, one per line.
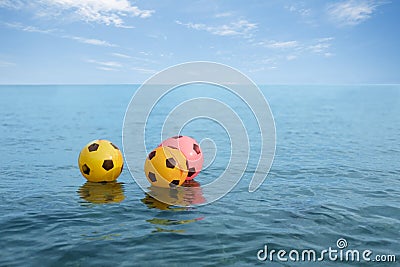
<point x="152" y="154"/>
<point x="196" y="148"/>
<point x="85" y="169"/>
<point x="170" y="163"/>
<point x="191" y="172"/>
<point x="152" y="177"/>
<point x="108" y="164"/>
<point x="93" y="147"/>
<point x="177" y="136"/>
<point x="174" y="183"/>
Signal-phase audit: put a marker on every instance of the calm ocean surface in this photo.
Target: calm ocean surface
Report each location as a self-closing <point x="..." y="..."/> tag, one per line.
<point x="336" y="174"/>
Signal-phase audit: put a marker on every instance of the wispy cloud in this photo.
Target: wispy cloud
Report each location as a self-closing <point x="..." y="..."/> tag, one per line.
<point x="352" y="12"/>
<point x="108" y="12"/>
<point x="14" y="4"/>
<point x="223" y="15"/>
<point x="56" y="33"/>
<point x="4" y="64"/>
<point x="319" y="47"/>
<point x="90" y="41"/>
<point x="298" y="9"/>
<point x="291" y="57"/>
<point x="144" y="70"/>
<point x="260" y="69"/>
<point x="108" y="64"/>
<point x="294" y="49"/>
<point x="142" y="58"/>
<point x="241" y="27"/>
<point x="280" y="45"/>
<point x="105" y="68"/>
<point x="25" y="28"/>
<point x="121" y="55"/>
<point x="131" y="60"/>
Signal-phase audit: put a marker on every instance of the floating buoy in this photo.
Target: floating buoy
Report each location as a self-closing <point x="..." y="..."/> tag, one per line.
<point x="190" y="149"/>
<point x="100" y="161"/>
<point x="166" y="167"/>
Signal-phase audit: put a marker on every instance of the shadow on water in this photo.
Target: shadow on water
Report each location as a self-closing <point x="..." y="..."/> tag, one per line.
<point x="102" y="193"/>
<point x="182" y="199"/>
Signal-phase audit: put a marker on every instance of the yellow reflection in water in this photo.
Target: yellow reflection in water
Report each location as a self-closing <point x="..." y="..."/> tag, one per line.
<point x="102" y="193"/>
<point x="188" y="196"/>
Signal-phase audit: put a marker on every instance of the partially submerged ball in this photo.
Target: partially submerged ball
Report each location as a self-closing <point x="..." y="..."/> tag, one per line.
<point x="190" y="149"/>
<point x="166" y="167"/>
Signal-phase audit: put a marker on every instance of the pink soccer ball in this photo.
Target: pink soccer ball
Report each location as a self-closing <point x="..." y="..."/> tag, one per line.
<point x="190" y="149"/>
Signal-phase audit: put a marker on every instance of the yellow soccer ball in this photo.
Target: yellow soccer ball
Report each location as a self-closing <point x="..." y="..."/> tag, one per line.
<point x="100" y="161"/>
<point x="166" y="167"/>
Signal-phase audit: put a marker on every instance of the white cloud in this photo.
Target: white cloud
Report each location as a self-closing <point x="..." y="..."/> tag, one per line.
<point x="28" y="28"/>
<point x="157" y="36"/>
<point x="108" y="12"/>
<point x="121" y="55"/>
<point x="56" y="33"/>
<point x="237" y="28"/>
<point x="298" y="9"/>
<point x="256" y="70"/>
<point x="145" y="53"/>
<point x="15" y="4"/>
<point x="91" y="41"/>
<point x="352" y="12"/>
<point x="106" y="65"/>
<point x="292" y="50"/>
<point x="321" y="45"/>
<point x="4" y="64"/>
<point x="143" y="70"/>
<point x="286" y="44"/>
<point x="325" y="39"/>
<point x="106" y="69"/>
<point x="223" y="15"/>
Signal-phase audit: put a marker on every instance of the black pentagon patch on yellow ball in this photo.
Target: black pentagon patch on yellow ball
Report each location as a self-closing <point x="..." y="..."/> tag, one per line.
<point x="196" y="148"/>
<point x="114" y="146"/>
<point x="85" y="169"/>
<point x="170" y="163"/>
<point x="174" y="183"/>
<point x="93" y="147"/>
<point x="152" y="154"/>
<point x="152" y="177"/>
<point x="191" y="172"/>
<point x="108" y="164"/>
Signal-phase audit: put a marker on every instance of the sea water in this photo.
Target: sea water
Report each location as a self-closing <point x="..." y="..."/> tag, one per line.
<point x="336" y="174"/>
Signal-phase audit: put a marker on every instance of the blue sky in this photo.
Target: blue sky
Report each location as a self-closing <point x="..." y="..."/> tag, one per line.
<point x="273" y="42"/>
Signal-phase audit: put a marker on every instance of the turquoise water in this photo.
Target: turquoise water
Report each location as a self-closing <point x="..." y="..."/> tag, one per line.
<point x="336" y="174"/>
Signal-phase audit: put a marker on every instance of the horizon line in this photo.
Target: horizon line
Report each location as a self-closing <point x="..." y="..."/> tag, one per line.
<point x="121" y="84"/>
